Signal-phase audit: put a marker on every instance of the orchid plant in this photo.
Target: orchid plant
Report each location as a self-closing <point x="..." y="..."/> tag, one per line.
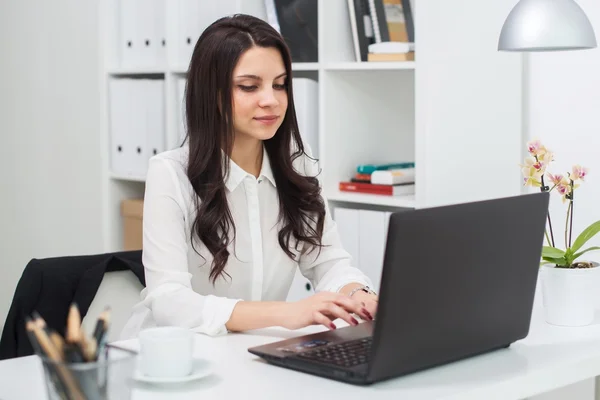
<point x="534" y="169"/>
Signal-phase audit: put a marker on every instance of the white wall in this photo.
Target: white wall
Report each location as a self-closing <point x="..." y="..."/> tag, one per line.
<point x="564" y="112"/>
<point x="50" y="163"/>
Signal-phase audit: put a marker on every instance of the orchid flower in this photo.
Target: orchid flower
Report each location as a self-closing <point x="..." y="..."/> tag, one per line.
<point x="578" y="173"/>
<point x="532" y="172"/>
<point x="534" y="169"/>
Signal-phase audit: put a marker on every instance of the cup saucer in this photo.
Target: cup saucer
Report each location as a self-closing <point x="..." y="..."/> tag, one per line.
<point x="200" y="369"/>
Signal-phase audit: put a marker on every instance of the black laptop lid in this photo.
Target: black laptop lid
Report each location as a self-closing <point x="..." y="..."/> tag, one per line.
<point x="458" y="280"/>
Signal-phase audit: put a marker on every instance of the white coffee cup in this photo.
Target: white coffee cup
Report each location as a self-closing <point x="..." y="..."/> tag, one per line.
<point x="166" y="352"/>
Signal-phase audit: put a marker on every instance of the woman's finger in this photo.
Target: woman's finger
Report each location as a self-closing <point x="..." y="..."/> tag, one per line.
<point x="371" y="307"/>
<point x="321" y="319"/>
<point x="339" y="312"/>
<point x="354" y="306"/>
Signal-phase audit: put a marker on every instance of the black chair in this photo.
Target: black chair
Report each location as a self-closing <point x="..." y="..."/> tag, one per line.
<point x="49" y="286"/>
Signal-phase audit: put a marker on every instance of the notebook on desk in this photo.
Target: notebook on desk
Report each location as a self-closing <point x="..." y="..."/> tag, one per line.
<point x="457" y="281"/>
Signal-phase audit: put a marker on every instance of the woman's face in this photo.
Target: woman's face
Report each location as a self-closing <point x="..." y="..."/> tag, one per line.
<point x="259" y="93"/>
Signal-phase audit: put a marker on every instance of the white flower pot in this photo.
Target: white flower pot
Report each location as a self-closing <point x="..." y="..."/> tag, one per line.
<point x="569" y="294"/>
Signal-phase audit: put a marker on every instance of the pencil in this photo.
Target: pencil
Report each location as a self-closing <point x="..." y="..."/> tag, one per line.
<point x="56" y="339"/>
<point x="59" y="343"/>
<point x="90" y="349"/>
<point x="102" y="324"/>
<point x="48" y="349"/>
<point x="29" y="327"/>
<point x="37" y="348"/>
<point x="39" y="321"/>
<point x="101" y="330"/>
<point x="73" y="333"/>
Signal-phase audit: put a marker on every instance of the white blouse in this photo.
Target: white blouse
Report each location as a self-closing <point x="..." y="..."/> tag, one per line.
<point x="178" y="290"/>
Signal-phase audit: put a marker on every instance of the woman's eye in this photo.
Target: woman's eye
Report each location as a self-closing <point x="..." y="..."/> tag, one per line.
<point x="247" y="88"/>
<point x="279" y="87"/>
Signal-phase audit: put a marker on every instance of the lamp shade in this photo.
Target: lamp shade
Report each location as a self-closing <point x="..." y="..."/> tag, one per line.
<point x="546" y="25"/>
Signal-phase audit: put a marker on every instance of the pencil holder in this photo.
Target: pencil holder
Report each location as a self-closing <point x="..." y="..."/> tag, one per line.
<point x="110" y="377"/>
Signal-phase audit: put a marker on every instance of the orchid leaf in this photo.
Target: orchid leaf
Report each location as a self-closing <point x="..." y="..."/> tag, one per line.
<point x="576" y="256"/>
<point x="586" y="235"/>
<point x="552" y="252"/>
<point x="557" y="261"/>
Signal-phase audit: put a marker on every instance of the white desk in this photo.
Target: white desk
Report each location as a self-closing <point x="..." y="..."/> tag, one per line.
<point x="549" y="358"/>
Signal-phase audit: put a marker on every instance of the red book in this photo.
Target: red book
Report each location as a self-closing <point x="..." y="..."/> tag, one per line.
<point x="390" y="190"/>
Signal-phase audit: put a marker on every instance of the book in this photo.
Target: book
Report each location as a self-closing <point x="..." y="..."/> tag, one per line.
<point x="369" y="168"/>
<point x="410" y="56"/>
<point x="297" y="23"/>
<point x="393" y="176"/>
<point x="361" y="27"/>
<point x="361" y="178"/>
<point x="389" y="190"/>
<point x="392" y="20"/>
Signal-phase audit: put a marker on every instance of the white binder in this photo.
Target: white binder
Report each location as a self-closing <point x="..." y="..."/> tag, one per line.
<point x="188" y="29"/>
<point x="117" y="94"/>
<point x="306" y="102"/>
<point x="225" y="8"/>
<point x="139" y="127"/>
<point x="160" y="33"/>
<point x="126" y="126"/>
<point x="207" y="13"/>
<point x="180" y="109"/>
<point x="145" y="34"/>
<point x="142" y="37"/>
<point x="155" y="117"/>
<point x="129" y="47"/>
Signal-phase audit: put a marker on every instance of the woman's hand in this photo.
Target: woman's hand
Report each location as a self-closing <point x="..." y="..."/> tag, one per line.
<point x="369" y="301"/>
<point x="322" y="309"/>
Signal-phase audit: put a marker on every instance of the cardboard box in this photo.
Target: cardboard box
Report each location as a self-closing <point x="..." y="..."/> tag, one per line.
<point x="132" y="212"/>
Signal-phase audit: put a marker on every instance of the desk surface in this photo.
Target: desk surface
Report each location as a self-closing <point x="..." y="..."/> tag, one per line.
<point x="550" y="357"/>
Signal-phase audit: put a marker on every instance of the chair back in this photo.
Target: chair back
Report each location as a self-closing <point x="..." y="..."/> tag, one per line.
<point x="120" y="290"/>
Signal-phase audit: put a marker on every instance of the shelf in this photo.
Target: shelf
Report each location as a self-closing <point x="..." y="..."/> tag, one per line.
<point x="305" y="66"/>
<point x="295" y="66"/>
<point x="118" y="71"/>
<point x="130" y="178"/>
<point x="333" y="66"/>
<point x="370" y="65"/>
<point x="181" y="69"/>
<point x="407" y="201"/>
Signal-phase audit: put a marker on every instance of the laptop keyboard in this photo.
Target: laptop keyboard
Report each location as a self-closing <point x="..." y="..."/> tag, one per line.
<point x="345" y="354"/>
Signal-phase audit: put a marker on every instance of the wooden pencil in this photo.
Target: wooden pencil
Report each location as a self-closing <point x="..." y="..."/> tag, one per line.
<point x="29" y="327"/>
<point x="73" y="332"/>
<point x="49" y="351"/>
<point x="90" y="349"/>
<point x="59" y="343"/>
<point x="54" y="336"/>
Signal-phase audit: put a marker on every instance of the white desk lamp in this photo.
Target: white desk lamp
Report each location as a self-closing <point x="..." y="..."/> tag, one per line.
<point x="546" y="25"/>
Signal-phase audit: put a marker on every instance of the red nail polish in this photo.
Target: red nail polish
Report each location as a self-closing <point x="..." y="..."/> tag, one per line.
<point x="332" y="326"/>
<point x="354" y="321"/>
<point x="368" y="314"/>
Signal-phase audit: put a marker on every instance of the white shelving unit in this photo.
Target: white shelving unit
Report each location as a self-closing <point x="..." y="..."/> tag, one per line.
<point x="455" y="110"/>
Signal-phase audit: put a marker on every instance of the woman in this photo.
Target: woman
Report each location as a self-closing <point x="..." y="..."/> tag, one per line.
<point x="231" y="215"/>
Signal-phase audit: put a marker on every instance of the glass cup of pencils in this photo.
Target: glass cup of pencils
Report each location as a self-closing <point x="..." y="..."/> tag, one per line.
<point x="78" y="366"/>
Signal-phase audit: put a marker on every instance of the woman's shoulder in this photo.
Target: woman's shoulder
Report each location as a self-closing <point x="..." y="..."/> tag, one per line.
<point x="177" y="157"/>
<point x="174" y="160"/>
<point x="167" y="173"/>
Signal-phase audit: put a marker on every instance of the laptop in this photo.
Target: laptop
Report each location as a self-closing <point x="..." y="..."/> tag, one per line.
<point x="457" y="281"/>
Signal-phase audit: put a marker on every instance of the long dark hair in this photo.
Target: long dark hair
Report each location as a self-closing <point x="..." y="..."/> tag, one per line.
<point x="209" y="116"/>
